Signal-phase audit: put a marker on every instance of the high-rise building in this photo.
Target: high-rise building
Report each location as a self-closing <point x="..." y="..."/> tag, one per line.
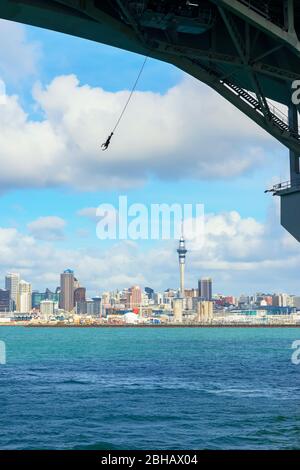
<point x="79" y="295"/>
<point x="12" y="285"/>
<point x="97" y="306"/>
<point x="205" y="288"/>
<point x="76" y="283"/>
<point x="135" y="296"/>
<point x="24" y="304"/>
<point x="181" y="257"/>
<point x="190" y="292"/>
<point x="38" y="297"/>
<point x="66" y="301"/>
<point x="5" y="303"/>
<point x="149" y="292"/>
<point x="281" y="300"/>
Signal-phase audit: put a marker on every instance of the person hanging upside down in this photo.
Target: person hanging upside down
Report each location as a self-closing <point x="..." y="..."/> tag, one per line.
<point x="107" y="142"/>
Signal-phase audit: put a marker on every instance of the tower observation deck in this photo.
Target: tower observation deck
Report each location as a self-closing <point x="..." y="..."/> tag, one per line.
<point x="182" y="251"/>
<point x="248" y="51"/>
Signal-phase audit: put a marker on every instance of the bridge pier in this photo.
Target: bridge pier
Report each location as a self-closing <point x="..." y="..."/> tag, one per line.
<point x="294" y="157"/>
<point x="289" y="192"/>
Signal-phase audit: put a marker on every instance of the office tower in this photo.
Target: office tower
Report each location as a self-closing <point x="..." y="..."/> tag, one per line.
<point x="205" y="288"/>
<point x="12" y="285"/>
<point x="191" y="293"/>
<point x="54" y="296"/>
<point x="97" y="306"/>
<point x="24" y="304"/>
<point x="135" y="296"/>
<point x="281" y="300"/>
<point x="89" y="307"/>
<point x="79" y="295"/>
<point x="76" y="283"/>
<point x="106" y="299"/>
<point x="177" y="310"/>
<point x="149" y="292"/>
<point x="181" y="257"/>
<point x="67" y="290"/>
<point x="38" y="297"/>
<point x="5" y="303"/>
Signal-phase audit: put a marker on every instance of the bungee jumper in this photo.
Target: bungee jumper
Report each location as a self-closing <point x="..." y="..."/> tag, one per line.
<point x="105" y="144"/>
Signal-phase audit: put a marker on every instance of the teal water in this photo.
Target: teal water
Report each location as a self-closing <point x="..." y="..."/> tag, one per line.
<point x="183" y="388"/>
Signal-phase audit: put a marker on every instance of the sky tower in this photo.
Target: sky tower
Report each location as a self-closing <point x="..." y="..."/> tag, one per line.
<point x="181" y="256"/>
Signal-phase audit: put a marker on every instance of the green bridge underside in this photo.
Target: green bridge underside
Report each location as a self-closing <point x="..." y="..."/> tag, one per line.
<point x="248" y="51"/>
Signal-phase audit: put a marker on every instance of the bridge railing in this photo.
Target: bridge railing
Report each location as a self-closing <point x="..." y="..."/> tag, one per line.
<point x="288" y="186"/>
<point x="256" y="6"/>
<point x="280" y="115"/>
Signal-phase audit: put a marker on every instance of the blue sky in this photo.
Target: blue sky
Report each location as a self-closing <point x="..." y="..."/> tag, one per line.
<point x="148" y="167"/>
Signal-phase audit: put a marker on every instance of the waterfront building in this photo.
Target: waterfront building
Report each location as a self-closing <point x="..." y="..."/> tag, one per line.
<point x="67" y="290"/>
<point x="283" y="300"/>
<point x="177" y="310"/>
<point x="296" y="302"/>
<point x="47" y="309"/>
<point x="38" y="297"/>
<point x="5" y="303"/>
<point x="205" y="288"/>
<point x="130" y="318"/>
<point x="12" y="285"/>
<point x="24" y="304"/>
<point x="135" y="296"/>
<point x="106" y="298"/>
<point x="280" y="300"/>
<point x="188" y="303"/>
<point x="80" y="307"/>
<point x="204" y="311"/>
<point x="244" y="300"/>
<point x="96" y="306"/>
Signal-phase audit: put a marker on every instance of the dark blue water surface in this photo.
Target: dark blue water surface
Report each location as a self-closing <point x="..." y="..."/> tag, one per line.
<point x="158" y="388"/>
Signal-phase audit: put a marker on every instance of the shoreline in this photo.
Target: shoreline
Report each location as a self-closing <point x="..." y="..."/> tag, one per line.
<point x="238" y="325"/>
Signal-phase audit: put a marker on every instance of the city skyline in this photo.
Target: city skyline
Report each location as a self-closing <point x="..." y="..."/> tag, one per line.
<point x="77" y="292"/>
<point x="40" y="235"/>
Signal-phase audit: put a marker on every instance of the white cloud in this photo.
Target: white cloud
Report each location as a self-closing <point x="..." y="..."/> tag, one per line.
<point x="47" y="228"/>
<point x="18" y="55"/>
<point x="189" y="132"/>
<point x="88" y="212"/>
